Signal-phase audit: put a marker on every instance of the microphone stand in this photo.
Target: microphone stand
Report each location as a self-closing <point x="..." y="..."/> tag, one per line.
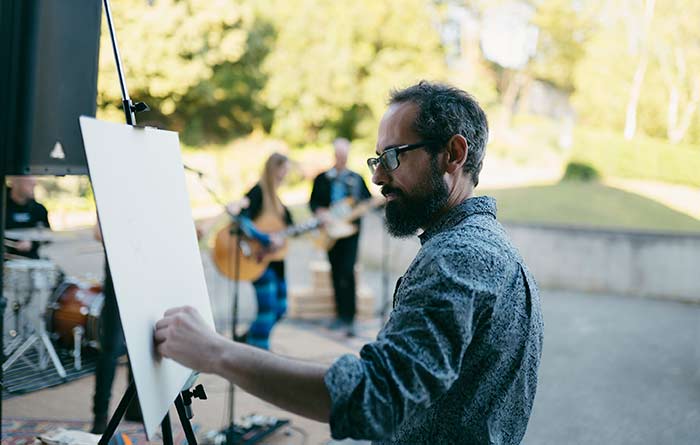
<point x="260" y="426"/>
<point x="232" y="431"/>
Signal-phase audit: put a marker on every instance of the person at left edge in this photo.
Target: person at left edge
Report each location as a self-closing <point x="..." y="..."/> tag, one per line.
<point x="23" y="212"/>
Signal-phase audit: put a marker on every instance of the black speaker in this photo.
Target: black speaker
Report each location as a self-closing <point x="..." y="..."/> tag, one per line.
<point x="48" y="78"/>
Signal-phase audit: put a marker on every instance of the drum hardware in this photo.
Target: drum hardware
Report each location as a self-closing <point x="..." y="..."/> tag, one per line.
<point x="40" y="235"/>
<point x="78" y="332"/>
<point x="28" y="285"/>
<point x="44" y="347"/>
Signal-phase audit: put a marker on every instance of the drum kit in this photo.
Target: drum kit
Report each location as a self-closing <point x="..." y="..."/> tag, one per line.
<point x="47" y="310"/>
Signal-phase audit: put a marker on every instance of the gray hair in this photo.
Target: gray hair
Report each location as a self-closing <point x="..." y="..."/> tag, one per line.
<point x="444" y="111"/>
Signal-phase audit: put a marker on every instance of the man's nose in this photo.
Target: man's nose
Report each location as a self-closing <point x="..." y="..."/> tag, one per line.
<point x="379" y="176"/>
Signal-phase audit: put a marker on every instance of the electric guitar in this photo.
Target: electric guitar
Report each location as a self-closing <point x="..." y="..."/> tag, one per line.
<point x="340" y="223"/>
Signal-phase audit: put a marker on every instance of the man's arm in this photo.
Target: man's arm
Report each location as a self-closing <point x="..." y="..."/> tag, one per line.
<point x="320" y="193"/>
<point x="293" y="385"/>
<point x="44" y="219"/>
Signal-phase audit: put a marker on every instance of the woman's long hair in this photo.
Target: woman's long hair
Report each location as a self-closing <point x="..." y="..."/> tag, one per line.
<point x="271" y="202"/>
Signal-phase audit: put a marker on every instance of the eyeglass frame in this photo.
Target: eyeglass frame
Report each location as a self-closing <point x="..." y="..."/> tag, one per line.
<point x="372" y="163"/>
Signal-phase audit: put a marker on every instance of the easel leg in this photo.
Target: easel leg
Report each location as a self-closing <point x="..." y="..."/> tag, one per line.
<point x="185" y="421"/>
<point x="118" y="414"/>
<point x="167" y="430"/>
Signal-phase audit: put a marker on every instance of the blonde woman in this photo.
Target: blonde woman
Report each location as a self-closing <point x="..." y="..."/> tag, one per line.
<point x="266" y="213"/>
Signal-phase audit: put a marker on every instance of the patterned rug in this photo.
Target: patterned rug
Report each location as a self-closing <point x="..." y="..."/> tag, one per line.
<point x="23" y="431"/>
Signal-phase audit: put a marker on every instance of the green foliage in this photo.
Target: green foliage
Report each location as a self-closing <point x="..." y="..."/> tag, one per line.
<point x="578" y="171"/>
<point x="671" y="79"/>
<point x="602" y="80"/>
<point x="306" y="71"/>
<point x="184" y="59"/>
<point x="333" y="63"/>
<point x="564" y="26"/>
<point x="303" y="70"/>
<point x="641" y="158"/>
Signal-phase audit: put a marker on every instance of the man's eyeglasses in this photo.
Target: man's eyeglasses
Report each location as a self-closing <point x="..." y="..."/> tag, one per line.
<point x="389" y="159"/>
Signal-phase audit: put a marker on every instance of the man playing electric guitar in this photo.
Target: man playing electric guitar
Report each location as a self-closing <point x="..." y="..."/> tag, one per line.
<point x="329" y="188"/>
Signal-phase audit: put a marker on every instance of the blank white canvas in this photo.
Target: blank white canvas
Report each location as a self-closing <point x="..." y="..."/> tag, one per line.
<point x="139" y="185"/>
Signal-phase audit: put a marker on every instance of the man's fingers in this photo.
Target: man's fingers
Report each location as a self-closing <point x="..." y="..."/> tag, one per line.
<point x="162" y="323"/>
<point x="174" y="310"/>
<point x="162" y="350"/>
<point x="160" y="334"/>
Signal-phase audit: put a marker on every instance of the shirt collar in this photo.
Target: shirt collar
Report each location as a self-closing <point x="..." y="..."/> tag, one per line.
<point x="333" y="173"/>
<point x="469" y="207"/>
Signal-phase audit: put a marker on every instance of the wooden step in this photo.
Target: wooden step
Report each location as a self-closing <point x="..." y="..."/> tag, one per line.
<point x="310" y="303"/>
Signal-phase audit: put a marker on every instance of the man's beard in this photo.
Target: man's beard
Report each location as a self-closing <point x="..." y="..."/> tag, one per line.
<point x="407" y="213"/>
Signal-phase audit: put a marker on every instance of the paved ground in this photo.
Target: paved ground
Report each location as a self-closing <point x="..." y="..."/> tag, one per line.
<point x="614" y="370"/>
<point x="618" y="371"/>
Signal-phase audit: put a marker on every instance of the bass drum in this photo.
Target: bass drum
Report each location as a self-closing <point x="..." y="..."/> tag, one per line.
<point x="74" y="304"/>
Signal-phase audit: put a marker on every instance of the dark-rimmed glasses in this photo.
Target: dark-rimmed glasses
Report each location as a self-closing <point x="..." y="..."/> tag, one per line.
<point x="389" y="159"/>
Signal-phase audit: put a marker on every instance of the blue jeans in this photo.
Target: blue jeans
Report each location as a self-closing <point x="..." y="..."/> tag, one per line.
<point x="271" y="293"/>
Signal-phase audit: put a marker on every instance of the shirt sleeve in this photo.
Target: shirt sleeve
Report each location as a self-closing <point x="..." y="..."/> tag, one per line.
<point x="255" y="198"/>
<point x="320" y="193"/>
<point x="415" y="359"/>
<point x="247" y="215"/>
<point x="251" y="231"/>
<point x="44" y="217"/>
<point x="364" y="191"/>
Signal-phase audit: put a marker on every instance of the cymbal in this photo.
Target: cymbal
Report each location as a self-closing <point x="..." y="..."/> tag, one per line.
<point x="39" y="234"/>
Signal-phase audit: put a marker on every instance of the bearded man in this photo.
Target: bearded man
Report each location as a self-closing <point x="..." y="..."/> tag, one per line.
<point x="457" y="360"/>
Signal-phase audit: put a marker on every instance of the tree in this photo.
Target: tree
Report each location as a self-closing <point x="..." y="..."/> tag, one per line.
<point x="333" y="63"/>
<point x="564" y="29"/>
<point x="178" y="57"/>
<point x="641" y="64"/>
<point x="676" y="48"/>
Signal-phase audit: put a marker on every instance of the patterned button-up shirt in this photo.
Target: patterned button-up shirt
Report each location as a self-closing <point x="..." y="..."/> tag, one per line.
<point x="457" y="361"/>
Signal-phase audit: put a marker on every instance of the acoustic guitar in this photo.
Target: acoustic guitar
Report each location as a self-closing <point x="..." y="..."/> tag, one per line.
<point x="254" y="257"/>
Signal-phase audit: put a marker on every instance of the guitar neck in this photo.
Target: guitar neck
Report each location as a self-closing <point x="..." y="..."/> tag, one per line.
<point x="362" y="208"/>
<point x="300" y="229"/>
<point x="315" y="223"/>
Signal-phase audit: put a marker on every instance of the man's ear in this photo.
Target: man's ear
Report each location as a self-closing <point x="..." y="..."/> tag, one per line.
<point x="457" y="150"/>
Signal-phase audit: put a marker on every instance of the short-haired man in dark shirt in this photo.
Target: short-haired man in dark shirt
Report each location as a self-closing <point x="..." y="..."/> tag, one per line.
<point x="331" y="188"/>
<point x="457" y="360"/>
<point x="23" y="212"/>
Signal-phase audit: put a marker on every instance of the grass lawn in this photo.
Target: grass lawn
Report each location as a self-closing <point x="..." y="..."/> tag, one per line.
<point x="588" y="204"/>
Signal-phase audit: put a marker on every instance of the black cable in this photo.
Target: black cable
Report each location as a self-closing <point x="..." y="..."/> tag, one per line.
<point x="304" y="434"/>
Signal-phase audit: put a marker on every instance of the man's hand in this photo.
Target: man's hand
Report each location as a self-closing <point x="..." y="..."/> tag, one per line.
<point x="294" y="385"/>
<point x="324" y="216"/>
<point x="235" y="207"/>
<point x="276" y="242"/>
<point x="183" y="336"/>
<point x="23" y="246"/>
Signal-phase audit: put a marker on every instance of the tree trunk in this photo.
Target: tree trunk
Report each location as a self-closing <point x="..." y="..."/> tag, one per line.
<point x="635" y="93"/>
<point x="677" y="133"/>
<point x="514" y="81"/>
<point x="639" y="73"/>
